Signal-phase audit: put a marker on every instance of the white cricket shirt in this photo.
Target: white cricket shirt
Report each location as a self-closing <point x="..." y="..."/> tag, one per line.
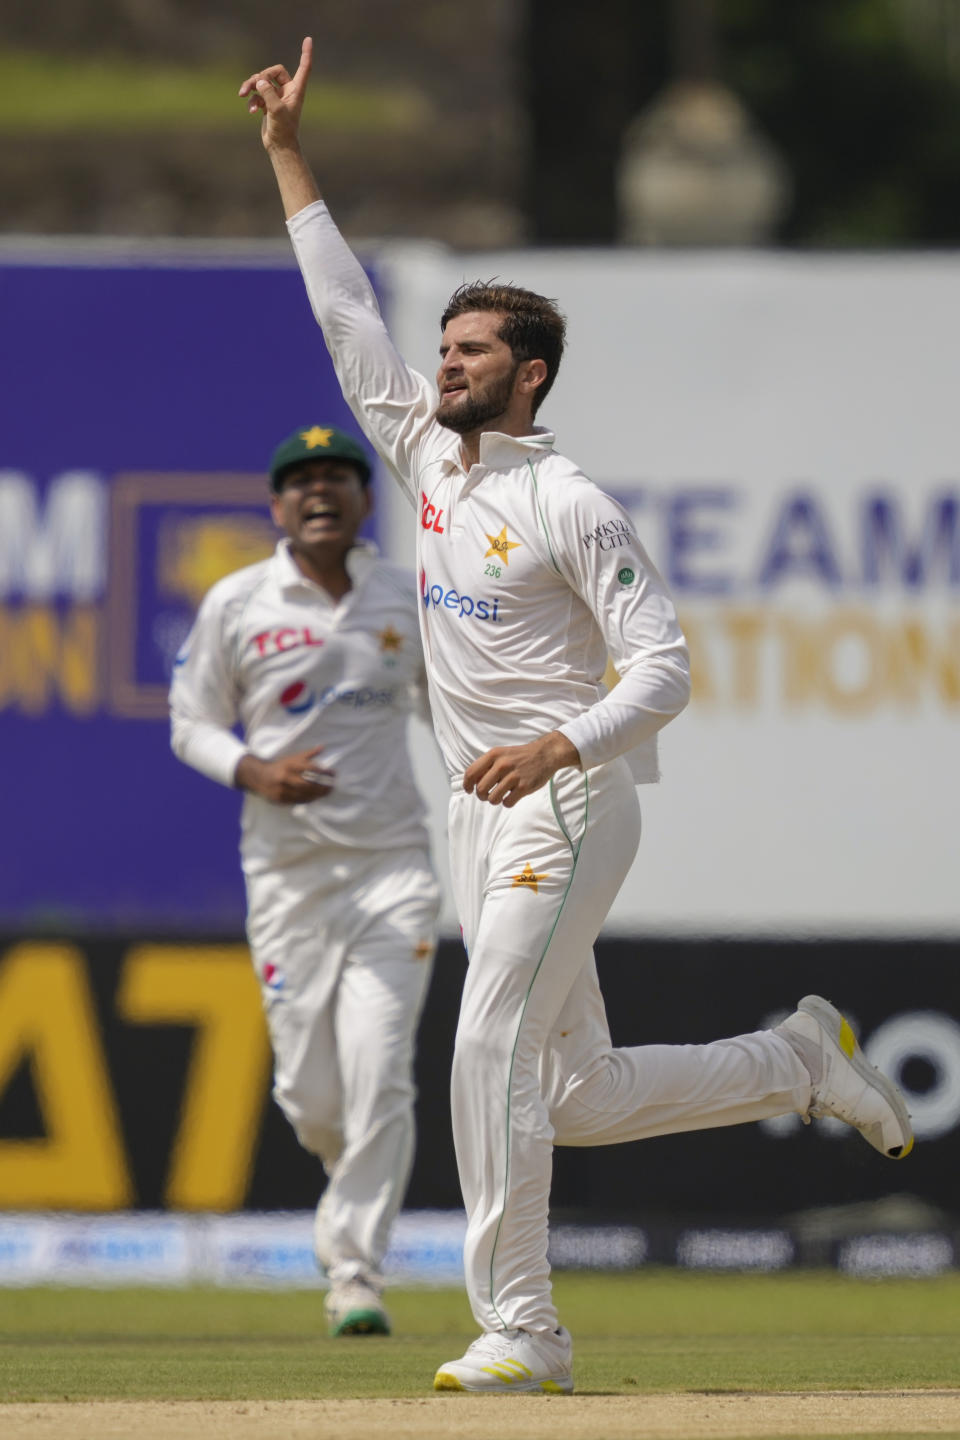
<point x="272" y="652"/>
<point x="529" y="574"/>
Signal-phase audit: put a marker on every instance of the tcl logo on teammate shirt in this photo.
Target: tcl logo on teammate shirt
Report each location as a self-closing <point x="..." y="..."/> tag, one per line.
<point x="272" y="642"/>
<point x="430" y="517"/>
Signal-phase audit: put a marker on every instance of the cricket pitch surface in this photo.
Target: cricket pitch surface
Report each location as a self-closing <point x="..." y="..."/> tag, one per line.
<point x="710" y="1416"/>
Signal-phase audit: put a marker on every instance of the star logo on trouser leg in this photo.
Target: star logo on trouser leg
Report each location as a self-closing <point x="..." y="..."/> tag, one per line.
<point x="527" y="879"/>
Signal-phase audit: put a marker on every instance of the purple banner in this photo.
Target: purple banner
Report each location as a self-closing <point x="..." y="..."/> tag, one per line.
<point x="141" y="404"/>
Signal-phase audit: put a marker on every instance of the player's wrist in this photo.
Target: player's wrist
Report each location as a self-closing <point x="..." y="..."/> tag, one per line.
<point x="561" y="751"/>
<point x="283" y="143"/>
<point x="248" y="772"/>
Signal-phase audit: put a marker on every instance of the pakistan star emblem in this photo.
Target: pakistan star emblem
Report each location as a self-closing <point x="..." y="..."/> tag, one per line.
<point x="527" y="879"/>
<point x="315" y="436"/>
<point x="390" y="639"/>
<point x="501" y="546"/>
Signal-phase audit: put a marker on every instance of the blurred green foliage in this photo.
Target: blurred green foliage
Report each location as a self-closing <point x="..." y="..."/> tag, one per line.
<point x="861" y="97"/>
<point x="50" y="93"/>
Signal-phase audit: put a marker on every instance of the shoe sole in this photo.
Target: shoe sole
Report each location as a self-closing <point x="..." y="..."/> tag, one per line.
<point x="446" y="1380"/>
<point x="361" y="1322"/>
<point x="840" y="1032"/>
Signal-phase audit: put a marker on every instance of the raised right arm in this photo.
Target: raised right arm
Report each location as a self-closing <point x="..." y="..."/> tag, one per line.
<point x="393" y="404"/>
<point x="279" y="97"/>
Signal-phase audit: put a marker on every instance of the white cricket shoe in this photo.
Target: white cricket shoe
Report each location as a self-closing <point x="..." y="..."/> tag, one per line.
<point x="506" y="1361"/>
<point x="845" y="1084"/>
<point x="355" y="1308"/>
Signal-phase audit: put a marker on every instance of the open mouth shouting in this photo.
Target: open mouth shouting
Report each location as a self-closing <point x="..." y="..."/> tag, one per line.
<point x="319" y="515"/>
<point x="321" y="506"/>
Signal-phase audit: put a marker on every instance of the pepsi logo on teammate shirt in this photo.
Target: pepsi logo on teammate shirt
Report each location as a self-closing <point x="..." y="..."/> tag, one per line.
<point x="272" y="977"/>
<point x="297" y="698"/>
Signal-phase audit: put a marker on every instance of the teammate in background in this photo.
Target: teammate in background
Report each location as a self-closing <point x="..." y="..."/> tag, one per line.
<point x="529" y="577"/>
<point x="316" y="652"/>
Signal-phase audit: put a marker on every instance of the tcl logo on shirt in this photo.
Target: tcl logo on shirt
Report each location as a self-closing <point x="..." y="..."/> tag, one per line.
<point x="431" y="518"/>
<point x="274" y="642"/>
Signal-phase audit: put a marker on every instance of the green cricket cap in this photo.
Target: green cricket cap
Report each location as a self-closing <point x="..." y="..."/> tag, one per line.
<point x="317" y="442"/>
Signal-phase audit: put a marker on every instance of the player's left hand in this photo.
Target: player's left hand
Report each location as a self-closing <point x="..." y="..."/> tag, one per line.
<point x="504" y="775"/>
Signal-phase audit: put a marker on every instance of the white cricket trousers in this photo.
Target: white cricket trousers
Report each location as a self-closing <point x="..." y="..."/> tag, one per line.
<point x="343" y="945"/>
<point x="533" y="1063"/>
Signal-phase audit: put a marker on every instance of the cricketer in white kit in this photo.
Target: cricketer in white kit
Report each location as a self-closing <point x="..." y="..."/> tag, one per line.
<point x="530" y="577"/>
<point x="316" y="653"/>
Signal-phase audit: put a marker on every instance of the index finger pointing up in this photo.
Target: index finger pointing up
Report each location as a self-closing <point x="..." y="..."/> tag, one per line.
<point x="306" y="61"/>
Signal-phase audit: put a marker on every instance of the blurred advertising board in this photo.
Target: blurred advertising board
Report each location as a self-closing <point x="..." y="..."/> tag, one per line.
<point x="135" y="1075"/>
<point x="274" y="1250"/>
<point x="143" y="393"/>
<point x="781" y="429"/>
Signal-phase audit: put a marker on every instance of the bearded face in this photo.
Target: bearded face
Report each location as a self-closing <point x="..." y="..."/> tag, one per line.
<point x="477" y="373"/>
<point x="476" y="404"/>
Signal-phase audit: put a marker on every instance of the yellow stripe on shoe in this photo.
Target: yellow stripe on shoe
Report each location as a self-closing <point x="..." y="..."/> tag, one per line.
<point x="846" y="1039"/>
<point x="508" y="1371"/>
<point x="508" y="1361"/>
<point x="847" y="1086"/>
<point x="443" y="1380"/>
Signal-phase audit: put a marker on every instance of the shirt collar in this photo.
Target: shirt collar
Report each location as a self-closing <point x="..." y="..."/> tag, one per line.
<point x="499" y="451"/>
<point x="360" y="560"/>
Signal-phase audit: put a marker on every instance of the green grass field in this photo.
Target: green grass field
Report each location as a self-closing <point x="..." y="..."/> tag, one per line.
<point x="655" y="1331"/>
